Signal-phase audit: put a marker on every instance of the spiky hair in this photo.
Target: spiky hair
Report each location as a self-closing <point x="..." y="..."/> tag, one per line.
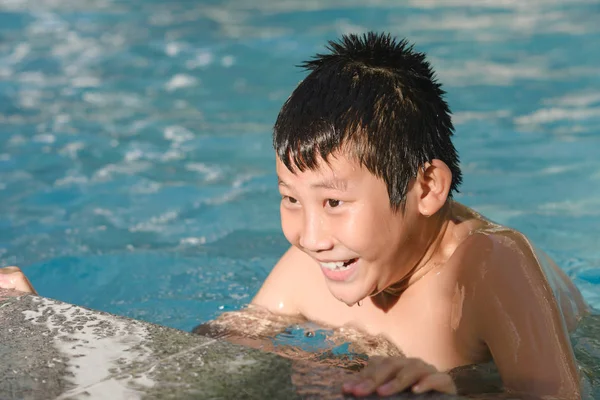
<point x="376" y="99"/>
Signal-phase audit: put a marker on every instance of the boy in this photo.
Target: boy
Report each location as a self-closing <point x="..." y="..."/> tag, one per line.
<point x="366" y="171"/>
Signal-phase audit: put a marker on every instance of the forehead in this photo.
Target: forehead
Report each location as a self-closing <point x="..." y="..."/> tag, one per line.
<point x="336" y="167"/>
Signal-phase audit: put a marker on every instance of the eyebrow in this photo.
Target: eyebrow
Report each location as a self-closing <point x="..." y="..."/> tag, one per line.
<point x="334" y="183"/>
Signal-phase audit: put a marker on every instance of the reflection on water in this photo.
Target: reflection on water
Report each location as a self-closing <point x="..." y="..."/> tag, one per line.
<point x="297" y="338"/>
<point x="313" y="346"/>
<point x="313" y="343"/>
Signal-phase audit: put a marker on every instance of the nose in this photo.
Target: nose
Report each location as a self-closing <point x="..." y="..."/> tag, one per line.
<point x="315" y="235"/>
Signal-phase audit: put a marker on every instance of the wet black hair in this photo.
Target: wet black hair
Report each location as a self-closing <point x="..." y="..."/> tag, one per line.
<point x="375" y="99"/>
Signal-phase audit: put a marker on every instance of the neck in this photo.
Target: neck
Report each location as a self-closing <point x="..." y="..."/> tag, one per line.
<point x="436" y="228"/>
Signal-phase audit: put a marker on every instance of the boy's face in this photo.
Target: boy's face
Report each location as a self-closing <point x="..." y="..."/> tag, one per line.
<point x="340" y="215"/>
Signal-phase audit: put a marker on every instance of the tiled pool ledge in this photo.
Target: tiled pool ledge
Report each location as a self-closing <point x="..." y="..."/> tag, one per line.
<point x="55" y="350"/>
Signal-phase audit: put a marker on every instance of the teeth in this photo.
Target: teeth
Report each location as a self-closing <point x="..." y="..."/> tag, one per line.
<point x="337" y="265"/>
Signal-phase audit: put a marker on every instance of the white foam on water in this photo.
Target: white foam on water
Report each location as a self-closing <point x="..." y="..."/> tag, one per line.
<point x="146" y="187"/>
<point x="16" y="140"/>
<point x="239" y="181"/>
<point x="583" y="99"/>
<point x="495" y="27"/>
<point x="172" y="49"/>
<point x="113" y="99"/>
<point x="506" y="4"/>
<point x="106" y="173"/>
<point x="108" y="215"/>
<point x="224" y="198"/>
<point x="192" y="241"/>
<point x="177" y="134"/>
<point x="133" y="155"/>
<point x="498" y="213"/>
<point x="36" y="78"/>
<point x="85" y="82"/>
<point x="345" y="27"/>
<point x="554" y="114"/>
<point x="180" y="81"/>
<point x="155" y="224"/>
<point x="44" y="138"/>
<point x="30" y="98"/>
<point x="203" y="59"/>
<point x="20" y="52"/>
<point x="72" y="149"/>
<point x="211" y="173"/>
<point x="559" y="169"/>
<point x="93" y="355"/>
<point x="467" y="116"/>
<point x="6" y="72"/>
<point x="72" y="44"/>
<point x="574" y="208"/>
<point x="74" y="179"/>
<point x="227" y="61"/>
<point x="171" y="155"/>
<point x="62" y="119"/>
<point x="479" y="72"/>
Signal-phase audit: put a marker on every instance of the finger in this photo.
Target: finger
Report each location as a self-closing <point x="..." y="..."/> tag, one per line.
<point x="376" y="364"/>
<point x="363" y="380"/>
<point x="439" y="382"/>
<point x="9" y="270"/>
<point x="366" y="372"/>
<point x="411" y="374"/>
<point x="377" y="372"/>
<point x="373" y="363"/>
<point x="13" y="278"/>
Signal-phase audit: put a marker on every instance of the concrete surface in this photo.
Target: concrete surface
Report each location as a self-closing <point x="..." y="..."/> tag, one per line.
<point x="54" y="350"/>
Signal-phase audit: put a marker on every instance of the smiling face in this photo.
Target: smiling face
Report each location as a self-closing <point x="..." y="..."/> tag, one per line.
<point x="340" y="215"/>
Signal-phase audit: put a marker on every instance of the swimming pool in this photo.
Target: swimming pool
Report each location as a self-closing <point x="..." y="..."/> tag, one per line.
<point x="136" y="169"/>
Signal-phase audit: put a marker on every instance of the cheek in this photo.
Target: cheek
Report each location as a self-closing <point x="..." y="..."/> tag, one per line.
<point x="373" y="230"/>
<point x="290" y="225"/>
<point x="362" y="230"/>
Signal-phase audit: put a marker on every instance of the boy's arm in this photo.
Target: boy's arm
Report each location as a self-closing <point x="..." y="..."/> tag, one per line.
<point x="518" y="318"/>
<point x="273" y="309"/>
<point x="282" y="290"/>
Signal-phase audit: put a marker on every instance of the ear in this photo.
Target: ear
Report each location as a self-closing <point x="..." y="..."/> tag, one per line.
<point x="434" y="182"/>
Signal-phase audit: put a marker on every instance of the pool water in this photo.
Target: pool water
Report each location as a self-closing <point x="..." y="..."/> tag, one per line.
<point x="136" y="168"/>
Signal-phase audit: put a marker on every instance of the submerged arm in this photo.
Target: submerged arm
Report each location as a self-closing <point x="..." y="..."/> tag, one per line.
<point x="273" y="309"/>
<point x="253" y="326"/>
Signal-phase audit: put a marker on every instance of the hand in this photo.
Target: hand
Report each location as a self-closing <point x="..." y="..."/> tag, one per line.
<point x="13" y="278"/>
<point x="390" y="375"/>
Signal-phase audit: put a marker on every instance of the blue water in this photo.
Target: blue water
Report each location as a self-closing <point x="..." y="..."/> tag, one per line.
<point x="136" y="169"/>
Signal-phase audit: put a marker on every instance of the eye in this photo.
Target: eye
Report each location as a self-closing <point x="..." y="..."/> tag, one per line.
<point x="333" y="203"/>
<point x="289" y="199"/>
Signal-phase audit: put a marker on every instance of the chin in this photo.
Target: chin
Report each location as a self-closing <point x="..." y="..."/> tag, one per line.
<point x="349" y="295"/>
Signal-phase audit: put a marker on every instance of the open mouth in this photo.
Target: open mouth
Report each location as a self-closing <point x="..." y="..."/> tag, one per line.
<point x="340" y="271"/>
<point x="338" y="265"/>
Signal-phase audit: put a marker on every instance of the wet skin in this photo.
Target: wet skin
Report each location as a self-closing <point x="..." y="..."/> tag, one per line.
<point x="440" y="281"/>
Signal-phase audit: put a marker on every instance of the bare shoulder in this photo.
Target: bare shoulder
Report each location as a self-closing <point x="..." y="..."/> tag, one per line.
<point x="504" y="263"/>
<point x="282" y="290"/>
<point x="521" y="307"/>
<point x="494" y="252"/>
